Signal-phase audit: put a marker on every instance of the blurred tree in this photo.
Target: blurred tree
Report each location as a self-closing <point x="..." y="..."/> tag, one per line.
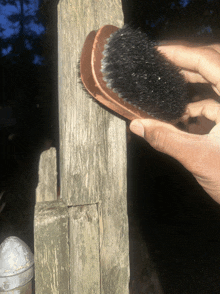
<point x="27" y="29"/>
<point x="23" y="75"/>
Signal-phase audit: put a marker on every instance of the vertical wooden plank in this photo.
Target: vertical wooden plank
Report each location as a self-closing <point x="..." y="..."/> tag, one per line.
<point x="84" y="248"/>
<point x="92" y="147"/>
<point x="83" y="123"/>
<point x="47" y="183"/>
<point x="51" y="250"/>
<point x="113" y="219"/>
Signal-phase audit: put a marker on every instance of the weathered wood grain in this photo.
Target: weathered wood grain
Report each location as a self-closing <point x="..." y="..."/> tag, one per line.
<point x="92" y="151"/>
<point x="47" y="182"/>
<point x="51" y="246"/>
<point x="83" y="123"/>
<point x="84" y="248"/>
<point x="113" y="219"/>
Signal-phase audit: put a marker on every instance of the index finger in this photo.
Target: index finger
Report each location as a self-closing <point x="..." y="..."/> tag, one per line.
<point x="208" y="108"/>
<point x="202" y="60"/>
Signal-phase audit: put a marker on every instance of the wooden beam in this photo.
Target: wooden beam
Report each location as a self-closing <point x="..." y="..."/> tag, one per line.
<point x="47" y="183"/>
<point x="51" y="248"/>
<point x="92" y="147"/>
<point x="84" y="248"/>
<point x="85" y="127"/>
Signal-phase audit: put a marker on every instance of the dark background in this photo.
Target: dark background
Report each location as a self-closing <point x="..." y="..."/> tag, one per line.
<point x="179" y="222"/>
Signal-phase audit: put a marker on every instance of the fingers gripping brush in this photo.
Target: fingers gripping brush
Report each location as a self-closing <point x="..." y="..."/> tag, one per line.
<point x="123" y="70"/>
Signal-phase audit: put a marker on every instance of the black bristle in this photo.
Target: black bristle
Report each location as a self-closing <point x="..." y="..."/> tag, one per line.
<point x="142" y="75"/>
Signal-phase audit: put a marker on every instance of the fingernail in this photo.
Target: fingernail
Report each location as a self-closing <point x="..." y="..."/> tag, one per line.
<point x="137" y="128"/>
<point x="185" y="117"/>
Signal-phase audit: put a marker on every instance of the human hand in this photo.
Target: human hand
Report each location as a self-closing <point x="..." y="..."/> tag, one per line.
<point x="199" y="154"/>
<point x="199" y="64"/>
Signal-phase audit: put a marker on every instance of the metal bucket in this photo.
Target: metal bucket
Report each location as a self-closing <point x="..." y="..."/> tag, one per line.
<point x="16" y="267"/>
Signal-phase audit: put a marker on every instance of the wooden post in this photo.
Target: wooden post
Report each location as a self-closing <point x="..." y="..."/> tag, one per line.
<point x="51" y="253"/>
<point x="84" y="249"/>
<point x="92" y="160"/>
<point x="47" y="183"/>
<point x="51" y="240"/>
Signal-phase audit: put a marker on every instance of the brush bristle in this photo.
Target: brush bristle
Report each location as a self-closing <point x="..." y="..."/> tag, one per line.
<point x="135" y="70"/>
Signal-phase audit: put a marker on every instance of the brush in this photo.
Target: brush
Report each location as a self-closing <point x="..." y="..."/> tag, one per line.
<point x="123" y="70"/>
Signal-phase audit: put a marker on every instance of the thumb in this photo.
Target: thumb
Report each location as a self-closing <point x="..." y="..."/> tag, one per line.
<point x="166" y="138"/>
<point x="199" y="154"/>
